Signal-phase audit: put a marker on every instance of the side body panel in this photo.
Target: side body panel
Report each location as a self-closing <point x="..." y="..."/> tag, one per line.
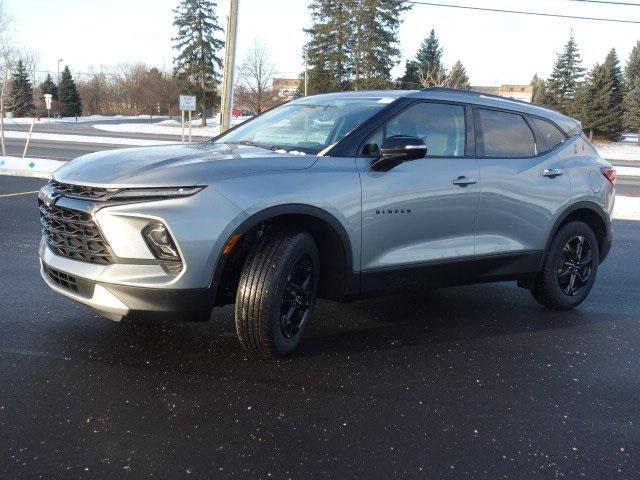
<point x="517" y="204"/>
<point x="414" y="214"/>
<point x="330" y="184"/>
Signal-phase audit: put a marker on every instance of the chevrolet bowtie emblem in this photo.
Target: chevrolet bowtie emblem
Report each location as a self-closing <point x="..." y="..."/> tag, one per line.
<point x="48" y="195"/>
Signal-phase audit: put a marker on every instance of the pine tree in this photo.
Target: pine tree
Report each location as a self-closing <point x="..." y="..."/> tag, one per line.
<point x="328" y="48"/>
<point x="566" y="77"/>
<point x="616" y="98"/>
<point x="374" y="45"/>
<point x="632" y="107"/>
<point x="541" y="94"/>
<point x="197" y="63"/>
<point x="69" y="97"/>
<point x="49" y="86"/>
<point x="429" y="58"/>
<point x="21" y="91"/>
<point x="411" y="78"/>
<point x="597" y="101"/>
<point x="632" y="70"/>
<point x="458" y="77"/>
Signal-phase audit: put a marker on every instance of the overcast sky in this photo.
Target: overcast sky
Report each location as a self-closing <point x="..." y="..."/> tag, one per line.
<point x="495" y="48"/>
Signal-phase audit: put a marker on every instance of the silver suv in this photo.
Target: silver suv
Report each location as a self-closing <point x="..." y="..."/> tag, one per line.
<point x="333" y="196"/>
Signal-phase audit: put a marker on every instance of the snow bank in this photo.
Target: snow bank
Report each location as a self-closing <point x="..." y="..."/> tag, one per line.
<point x="60" y="137"/>
<point x="627" y="208"/>
<point x="626" y="149"/>
<point x="89" y="118"/>
<point x="169" y="127"/>
<point x="29" y="167"/>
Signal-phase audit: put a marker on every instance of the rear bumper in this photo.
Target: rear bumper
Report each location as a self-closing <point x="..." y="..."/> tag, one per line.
<point x="117" y="301"/>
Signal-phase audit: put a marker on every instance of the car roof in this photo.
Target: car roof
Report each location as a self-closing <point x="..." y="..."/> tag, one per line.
<point x="454" y="95"/>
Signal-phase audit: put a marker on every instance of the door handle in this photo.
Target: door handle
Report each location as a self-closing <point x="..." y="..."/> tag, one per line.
<point x="463" y="181"/>
<point x="551" y="172"/>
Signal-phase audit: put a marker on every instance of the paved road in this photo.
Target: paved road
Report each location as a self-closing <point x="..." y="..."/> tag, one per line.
<point x="54" y="150"/>
<point x="472" y="382"/>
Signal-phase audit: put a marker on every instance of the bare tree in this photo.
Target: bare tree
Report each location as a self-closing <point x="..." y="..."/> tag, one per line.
<point x="256" y="72"/>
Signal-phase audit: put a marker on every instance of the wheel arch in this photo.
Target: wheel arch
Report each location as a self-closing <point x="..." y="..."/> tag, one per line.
<point x="337" y="277"/>
<point x="593" y="215"/>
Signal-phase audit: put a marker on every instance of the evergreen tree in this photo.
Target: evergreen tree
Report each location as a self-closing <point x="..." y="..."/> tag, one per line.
<point x="632" y="107"/>
<point x="49" y="86"/>
<point x="429" y="58"/>
<point x="458" y="77"/>
<point x="21" y="91"/>
<point x="411" y="78"/>
<point x="328" y="49"/>
<point x="566" y="77"/>
<point x="374" y="45"/>
<point x="541" y="94"/>
<point x="597" y="99"/>
<point x="632" y="71"/>
<point x="69" y="97"/>
<point x="616" y="98"/>
<point x="197" y="63"/>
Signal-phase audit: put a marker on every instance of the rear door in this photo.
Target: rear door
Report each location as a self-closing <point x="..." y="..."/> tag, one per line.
<point x="523" y="181"/>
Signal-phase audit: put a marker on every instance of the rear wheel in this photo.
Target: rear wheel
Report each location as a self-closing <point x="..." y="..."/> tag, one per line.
<point x="570" y="268"/>
<point x="277" y="292"/>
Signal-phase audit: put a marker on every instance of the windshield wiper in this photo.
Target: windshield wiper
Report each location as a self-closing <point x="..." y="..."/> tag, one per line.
<point x="248" y="143"/>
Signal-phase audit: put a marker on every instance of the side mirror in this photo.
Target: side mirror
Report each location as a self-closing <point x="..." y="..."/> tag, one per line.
<point x="398" y="149"/>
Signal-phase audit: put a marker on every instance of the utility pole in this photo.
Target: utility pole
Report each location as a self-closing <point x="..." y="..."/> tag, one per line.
<point x="306" y="74"/>
<point x="229" y="66"/>
<point x="59" y="108"/>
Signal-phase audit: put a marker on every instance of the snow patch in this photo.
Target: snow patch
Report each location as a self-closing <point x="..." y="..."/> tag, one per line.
<point x="61" y="137"/>
<point x="29" y="167"/>
<point x="627" y="208"/>
<point x="169" y="127"/>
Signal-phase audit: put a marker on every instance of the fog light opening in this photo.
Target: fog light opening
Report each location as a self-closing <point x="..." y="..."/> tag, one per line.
<point x="160" y="242"/>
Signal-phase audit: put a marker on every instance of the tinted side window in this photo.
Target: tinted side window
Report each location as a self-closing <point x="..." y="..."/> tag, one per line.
<point x="506" y="135"/>
<point x="551" y="135"/>
<point x="441" y="126"/>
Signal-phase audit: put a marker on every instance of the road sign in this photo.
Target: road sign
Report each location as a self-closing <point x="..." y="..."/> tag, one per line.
<point x="47" y="100"/>
<point x="188" y="102"/>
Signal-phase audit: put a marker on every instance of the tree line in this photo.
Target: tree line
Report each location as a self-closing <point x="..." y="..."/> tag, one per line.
<point x="353" y="45"/>
<point x="605" y="99"/>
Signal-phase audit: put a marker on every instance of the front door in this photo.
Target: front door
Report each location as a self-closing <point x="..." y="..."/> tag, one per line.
<point x="422" y="211"/>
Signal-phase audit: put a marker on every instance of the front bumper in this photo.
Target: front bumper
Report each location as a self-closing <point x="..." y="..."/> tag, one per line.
<point x="116" y="301"/>
<point x="136" y="281"/>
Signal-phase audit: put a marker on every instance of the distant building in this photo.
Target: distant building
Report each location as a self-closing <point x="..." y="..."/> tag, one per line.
<point x="517" y="92"/>
<point x="286" y="87"/>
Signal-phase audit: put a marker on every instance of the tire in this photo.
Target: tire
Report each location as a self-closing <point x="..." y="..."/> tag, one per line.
<point x="271" y="309"/>
<point x="553" y="288"/>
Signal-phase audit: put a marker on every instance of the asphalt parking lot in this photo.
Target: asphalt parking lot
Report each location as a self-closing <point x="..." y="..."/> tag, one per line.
<point x="471" y="382"/>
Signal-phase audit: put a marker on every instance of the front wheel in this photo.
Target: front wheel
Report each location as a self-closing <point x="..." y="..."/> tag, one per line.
<point x="570" y="268"/>
<point x="277" y="292"/>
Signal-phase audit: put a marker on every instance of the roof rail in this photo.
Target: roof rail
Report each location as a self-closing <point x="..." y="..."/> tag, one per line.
<point x="478" y="94"/>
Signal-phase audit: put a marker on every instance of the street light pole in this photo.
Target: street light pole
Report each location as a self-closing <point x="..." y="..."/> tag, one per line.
<point x="59" y="107"/>
<point x="229" y="66"/>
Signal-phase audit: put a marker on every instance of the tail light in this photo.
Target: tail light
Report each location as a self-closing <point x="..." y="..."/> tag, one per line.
<point x="610" y="173"/>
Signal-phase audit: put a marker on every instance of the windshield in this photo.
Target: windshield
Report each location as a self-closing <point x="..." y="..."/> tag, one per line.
<point x="306" y="127"/>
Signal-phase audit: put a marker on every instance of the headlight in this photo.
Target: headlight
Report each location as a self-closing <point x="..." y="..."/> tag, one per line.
<point x="154" y="193"/>
<point x="160" y="242"/>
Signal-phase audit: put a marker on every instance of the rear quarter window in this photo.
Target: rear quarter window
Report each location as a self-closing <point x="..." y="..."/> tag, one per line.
<point x="506" y="135"/>
<point x="550" y="135"/>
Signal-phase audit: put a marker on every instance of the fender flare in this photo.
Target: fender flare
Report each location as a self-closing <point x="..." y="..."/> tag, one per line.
<point x="583" y="205"/>
<point x="352" y="280"/>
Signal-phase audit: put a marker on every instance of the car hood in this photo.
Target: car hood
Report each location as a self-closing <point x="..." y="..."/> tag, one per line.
<point x="175" y="165"/>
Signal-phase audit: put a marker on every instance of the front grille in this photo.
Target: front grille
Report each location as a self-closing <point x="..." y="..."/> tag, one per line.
<point x="62" y="279"/>
<point x="73" y="234"/>
<point x="81" y="191"/>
